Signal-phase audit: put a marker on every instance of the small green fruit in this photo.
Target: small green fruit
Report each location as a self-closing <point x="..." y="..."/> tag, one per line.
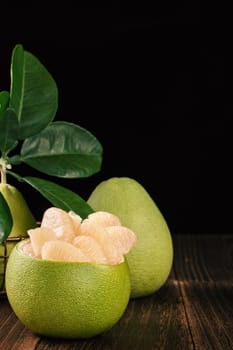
<point x="150" y="260"/>
<point x="22" y="217"/>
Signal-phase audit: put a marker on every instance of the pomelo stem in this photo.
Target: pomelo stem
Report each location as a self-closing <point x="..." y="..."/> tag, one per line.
<point x="3" y="177"/>
<point x="3" y="167"/>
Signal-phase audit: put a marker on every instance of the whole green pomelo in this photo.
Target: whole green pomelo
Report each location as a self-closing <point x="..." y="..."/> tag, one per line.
<point x="66" y="299"/>
<point x="23" y="220"/>
<point x="150" y="260"/>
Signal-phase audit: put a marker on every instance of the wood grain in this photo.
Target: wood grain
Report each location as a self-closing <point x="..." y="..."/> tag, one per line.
<point x="193" y="310"/>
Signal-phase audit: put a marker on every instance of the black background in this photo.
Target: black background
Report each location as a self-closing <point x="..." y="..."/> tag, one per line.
<point x="154" y="85"/>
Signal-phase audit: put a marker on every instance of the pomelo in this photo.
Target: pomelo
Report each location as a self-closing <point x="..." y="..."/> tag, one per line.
<point x="66" y="299"/>
<point x="150" y="260"/>
<point x="61" y="283"/>
<point x="23" y="219"/>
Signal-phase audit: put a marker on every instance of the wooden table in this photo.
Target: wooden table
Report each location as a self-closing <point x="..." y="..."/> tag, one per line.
<point x="193" y="310"/>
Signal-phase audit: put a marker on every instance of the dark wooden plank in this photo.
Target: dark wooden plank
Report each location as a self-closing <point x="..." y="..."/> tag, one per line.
<point x="154" y="322"/>
<point x="204" y="257"/>
<point x="203" y="267"/>
<point x="193" y="310"/>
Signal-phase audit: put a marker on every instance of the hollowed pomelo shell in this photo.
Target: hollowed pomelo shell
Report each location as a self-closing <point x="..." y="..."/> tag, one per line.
<point x="66" y="299"/>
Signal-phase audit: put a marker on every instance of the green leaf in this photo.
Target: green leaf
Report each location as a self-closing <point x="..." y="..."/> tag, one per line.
<point x="64" y="150"/>
<point x="6" y="221"/>
<point x="4" y="100"/>
<point x="9" y="131"/>
<point x="33" y="93"/>
<point x="60" y="196"/>
<point x="15" y="160"/>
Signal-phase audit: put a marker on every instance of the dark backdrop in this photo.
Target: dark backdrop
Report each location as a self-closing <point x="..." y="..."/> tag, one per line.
<point x="154" y="85"/>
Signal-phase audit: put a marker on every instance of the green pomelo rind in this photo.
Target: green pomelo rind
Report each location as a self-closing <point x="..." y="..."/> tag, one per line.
<point x="23" y="219"/>
<point x="150" y="260"/>
<point x="66" y="299"/>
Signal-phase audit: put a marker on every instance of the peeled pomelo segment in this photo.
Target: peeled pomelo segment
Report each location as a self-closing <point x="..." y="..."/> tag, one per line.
<point x="104" y="218"/>
<point x="90" y="228"/>
<point x="39" y="236"/>
<point x="62" y="251"/>
<point x="113" y="249"/>
<point x="91" y="248"/>
<point x="94" y="230"/>
<point x="122" y="238"/>
<point x="62" y="223"/>
<point x="26" y="247"/>
<point x="76" y="219"/>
